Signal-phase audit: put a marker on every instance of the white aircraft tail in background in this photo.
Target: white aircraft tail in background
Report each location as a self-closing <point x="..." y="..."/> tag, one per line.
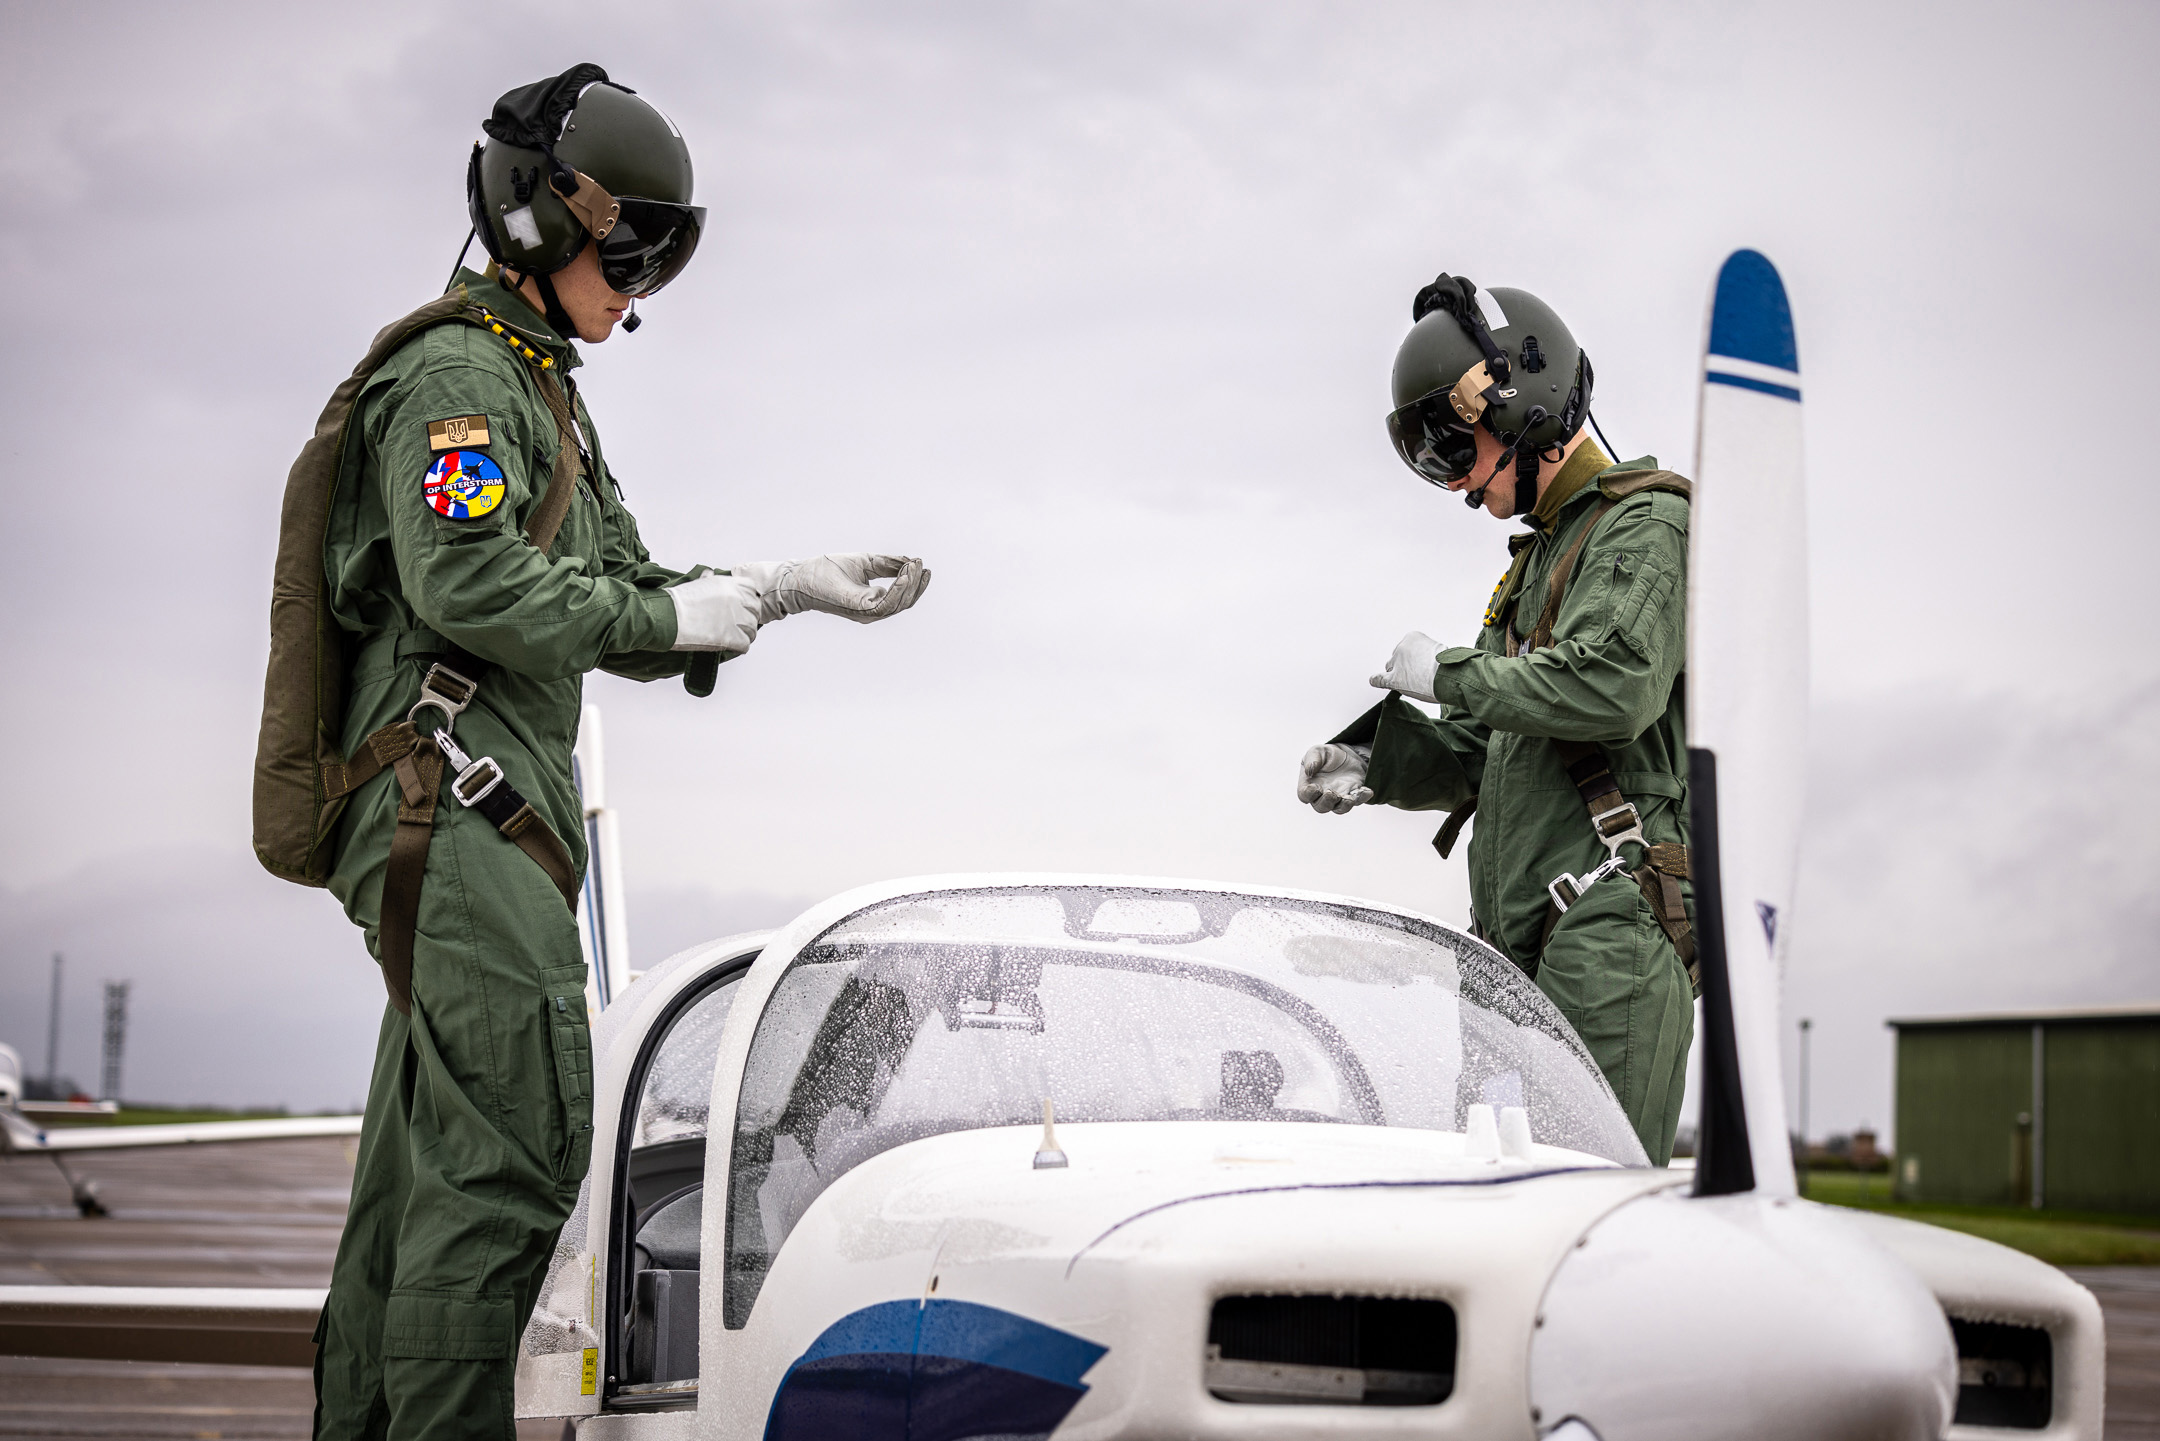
<point x="603" y="929"/>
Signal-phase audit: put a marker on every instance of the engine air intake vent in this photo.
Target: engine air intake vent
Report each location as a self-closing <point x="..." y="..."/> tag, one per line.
<point x="2005" y="1375"/>
<point x="1331" y="1351"/>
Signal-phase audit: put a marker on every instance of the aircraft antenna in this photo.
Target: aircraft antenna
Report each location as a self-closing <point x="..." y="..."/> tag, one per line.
<point x="1050" y="1156"/>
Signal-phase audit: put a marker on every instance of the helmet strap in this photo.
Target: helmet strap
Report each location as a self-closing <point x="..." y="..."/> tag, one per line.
<point x="1458" y="297"/>
<point x="557" y="317"/>
<point x="1526" y="477"/>
<point x="1527" y="458"/>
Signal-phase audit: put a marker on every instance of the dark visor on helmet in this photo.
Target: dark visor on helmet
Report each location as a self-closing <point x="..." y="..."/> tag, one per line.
<point x="1432" y="439"/>
<point x="650" y="243"/>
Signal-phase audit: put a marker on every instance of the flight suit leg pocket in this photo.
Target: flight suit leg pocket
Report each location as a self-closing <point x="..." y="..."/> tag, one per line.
<point x="562" y="995"/>
<point x="449" y="1326"/>
<point x="1589" y="971"/>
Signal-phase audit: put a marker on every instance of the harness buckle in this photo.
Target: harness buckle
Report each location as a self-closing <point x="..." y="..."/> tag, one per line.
<point x="445" y="690"/>
<point x="475" y="778"/>
<point x="1576" y="885"/>
<point x="1617" y="827"/>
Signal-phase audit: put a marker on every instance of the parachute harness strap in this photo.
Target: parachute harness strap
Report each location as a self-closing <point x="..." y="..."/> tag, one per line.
<point x="417" y="761"/>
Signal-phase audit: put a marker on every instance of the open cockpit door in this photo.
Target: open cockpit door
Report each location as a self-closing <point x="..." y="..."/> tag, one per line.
<point x="1747" y="715"/>
<point x="616" y="1327"/>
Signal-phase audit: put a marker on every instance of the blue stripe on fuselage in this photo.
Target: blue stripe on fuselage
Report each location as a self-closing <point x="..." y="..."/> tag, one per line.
<point x="885" y="1329"/>
<point x="962" y="1330"/>
<point x="931" y="1371"/>
<point x="968" y="1332"/>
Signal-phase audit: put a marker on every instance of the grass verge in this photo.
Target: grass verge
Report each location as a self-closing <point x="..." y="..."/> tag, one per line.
<point x="157" y="1116"/>
<point x="2057" y="1237"/>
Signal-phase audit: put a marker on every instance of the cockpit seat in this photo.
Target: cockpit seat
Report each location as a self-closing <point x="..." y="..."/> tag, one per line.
<point x="664" y="1290"/>
<point x="668" y="1238"/>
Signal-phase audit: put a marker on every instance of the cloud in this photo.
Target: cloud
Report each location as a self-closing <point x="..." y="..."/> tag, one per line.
<point x="1979" y="853"/>
<point x="247" y="991"/>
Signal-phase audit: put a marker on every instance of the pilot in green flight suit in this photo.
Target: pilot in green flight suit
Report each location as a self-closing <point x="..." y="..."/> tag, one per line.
<point x="455" y="561"/>
<point x="1563" y="725"/>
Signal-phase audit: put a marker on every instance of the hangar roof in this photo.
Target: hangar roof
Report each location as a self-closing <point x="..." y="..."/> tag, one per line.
<point x="2124" y="1011"/>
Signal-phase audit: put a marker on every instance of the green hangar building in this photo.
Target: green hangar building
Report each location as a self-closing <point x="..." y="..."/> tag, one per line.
<point x="2040" y="1108"/>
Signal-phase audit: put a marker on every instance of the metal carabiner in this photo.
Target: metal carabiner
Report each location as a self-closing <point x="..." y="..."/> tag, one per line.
<point x="475" y="778"/>
<point x="445" y="690"/>
<point x="1626" y="826"/>
<point x="1611" y="865"/>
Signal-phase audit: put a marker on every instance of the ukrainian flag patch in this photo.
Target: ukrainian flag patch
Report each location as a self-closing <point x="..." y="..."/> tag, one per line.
<point x="463" y="485"/>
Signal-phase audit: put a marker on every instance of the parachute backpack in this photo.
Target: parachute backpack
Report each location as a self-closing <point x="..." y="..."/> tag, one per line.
<point x="302" y="777"/>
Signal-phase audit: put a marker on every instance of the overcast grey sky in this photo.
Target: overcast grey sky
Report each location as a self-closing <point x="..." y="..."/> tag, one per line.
<point x="1093" y="307"/>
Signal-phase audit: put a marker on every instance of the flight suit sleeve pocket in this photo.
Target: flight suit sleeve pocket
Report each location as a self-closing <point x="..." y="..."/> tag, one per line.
<point x="570" y="1036"/>
<point x="1640" y="617"/>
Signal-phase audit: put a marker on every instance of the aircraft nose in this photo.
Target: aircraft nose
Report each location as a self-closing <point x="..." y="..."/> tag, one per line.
<point x="1740" y="1315"/>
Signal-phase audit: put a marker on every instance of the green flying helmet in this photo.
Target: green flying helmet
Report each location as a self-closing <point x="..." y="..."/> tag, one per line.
<point x="578" y="159"/>
<point x="1502" y="360"/>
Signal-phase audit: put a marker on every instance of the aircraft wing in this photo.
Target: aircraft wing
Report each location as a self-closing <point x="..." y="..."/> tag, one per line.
<point x="234" y="1327"/>
<point x="19" y="1136"/>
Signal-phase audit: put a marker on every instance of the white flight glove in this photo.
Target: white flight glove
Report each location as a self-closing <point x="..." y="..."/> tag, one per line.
<point x="1411" y="669"/>
<point x="715" y="612"/>
<point x="837" y="585"/>
<point x="1331" y="778"/>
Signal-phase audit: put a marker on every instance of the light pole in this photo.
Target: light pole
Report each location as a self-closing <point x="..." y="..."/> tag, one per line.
<point x="52" y="1035"/>
<point x="1806" y="1026"/>
<point x="116" y="994"/>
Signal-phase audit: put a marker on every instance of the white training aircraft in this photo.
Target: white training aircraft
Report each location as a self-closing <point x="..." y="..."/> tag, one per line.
<point x="1007" y="1156"/>
<point x="21" y="1135"/>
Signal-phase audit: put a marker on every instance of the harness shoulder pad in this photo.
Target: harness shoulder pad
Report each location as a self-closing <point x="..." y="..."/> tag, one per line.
<point x="1620" y="484"/>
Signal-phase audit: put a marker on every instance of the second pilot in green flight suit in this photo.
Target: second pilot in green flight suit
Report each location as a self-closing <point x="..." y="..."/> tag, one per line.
<point x="1562" y="726"/>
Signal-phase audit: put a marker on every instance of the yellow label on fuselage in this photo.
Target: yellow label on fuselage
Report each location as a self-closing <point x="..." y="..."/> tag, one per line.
<point x="589" y="1378"/>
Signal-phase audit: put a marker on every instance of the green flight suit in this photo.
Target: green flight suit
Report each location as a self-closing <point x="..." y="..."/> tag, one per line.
<point x="479" y="1115"/>
<point x="1612" y="676"/>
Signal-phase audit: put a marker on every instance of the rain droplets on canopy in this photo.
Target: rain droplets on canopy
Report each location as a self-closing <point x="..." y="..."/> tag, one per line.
<point x="960" y="1010"/>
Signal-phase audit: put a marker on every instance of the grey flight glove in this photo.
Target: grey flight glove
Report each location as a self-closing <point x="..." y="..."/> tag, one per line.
<point x="723" y="610"/>
<point x="715" y="612"/>
<point x="837" y="585"/>
<point x="1331" y="778"/>
<point x="1411" y="669"/>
